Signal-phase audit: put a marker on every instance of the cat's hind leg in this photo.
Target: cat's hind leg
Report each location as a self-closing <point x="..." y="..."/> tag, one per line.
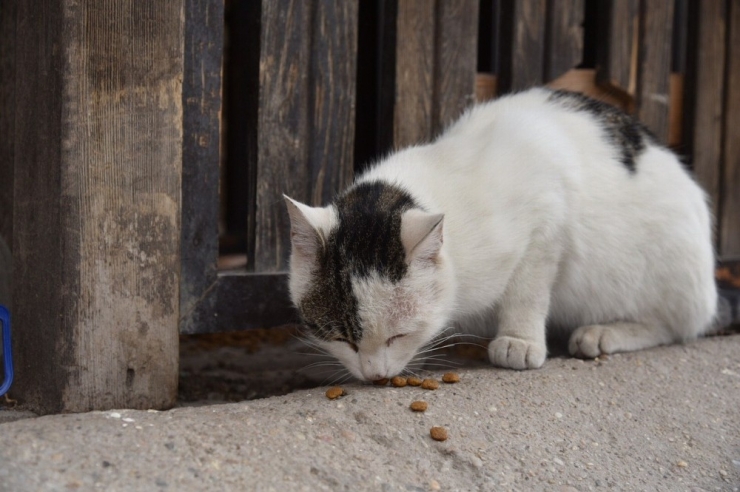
<point x="593" y="340"/>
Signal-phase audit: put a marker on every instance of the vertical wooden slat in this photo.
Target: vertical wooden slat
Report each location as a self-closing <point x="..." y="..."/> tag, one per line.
<point x="415" y="54"/>
<point x="8" y="11"/>
<point x="565" y="37"/>
<point x="730" y="208"/>
<point x="618" y="56"/>
<point x="455" y="60"/>
<point x="333" y="69"/>
<point x="523" y="66"/>
<point x="201" y="95"/>
<point x="655" y="66"/>
<point x="306" y="109"/>
<point x="705" y="105"/>
<point x="97" y="203"/>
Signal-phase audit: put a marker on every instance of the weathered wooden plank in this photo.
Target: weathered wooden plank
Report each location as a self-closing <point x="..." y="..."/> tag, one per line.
<point x="201" y="95"/>
<point x="97" y="203"/>
<point x="242" y="301"/>
<point x="333" y="69"/>
<point x="524" y="66"/>
<point x="564" y="37"/>
<point x="415" y="59"/>
<point x="456" y="47"/>
<point x="306" y="114"/>
<point x="654" y="66"/>
<point x="705" y="88"/>
<point x="283" y="126"/>
<point x="730" y="209"/>
<point x="8" y="10"/>
<point x="618" y="56"/>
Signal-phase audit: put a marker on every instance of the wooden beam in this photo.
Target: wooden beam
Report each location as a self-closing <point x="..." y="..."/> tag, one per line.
<point x="730" y="208"/>
<point x="8" y="11"/>
<point x="523" y="56"/>
<point x="201" y="96"/>
<point x="705" y="94"/>
<point x="455" y="61"/>
<point x="305" y="127"/>
<point x="654" y="66"/>
<point x="415" y="56"/>
<point x="617" y="57"/>
<point x="564" y="43"/>
<point x="97" y="203"/>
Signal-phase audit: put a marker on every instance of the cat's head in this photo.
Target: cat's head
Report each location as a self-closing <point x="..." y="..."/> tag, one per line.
<point x="370" y="277"/>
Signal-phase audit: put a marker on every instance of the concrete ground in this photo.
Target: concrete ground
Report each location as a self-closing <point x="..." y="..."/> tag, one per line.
<point x="663" y="419"/>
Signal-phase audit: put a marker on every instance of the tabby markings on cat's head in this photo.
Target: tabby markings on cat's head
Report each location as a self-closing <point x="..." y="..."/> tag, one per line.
<point x="362" y="276"/>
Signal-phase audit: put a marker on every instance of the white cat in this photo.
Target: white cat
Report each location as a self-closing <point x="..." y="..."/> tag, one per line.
<point x="540" y="207"/>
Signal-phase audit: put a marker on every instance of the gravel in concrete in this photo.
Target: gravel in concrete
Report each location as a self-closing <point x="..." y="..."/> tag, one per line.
<point x="667" y="419"/>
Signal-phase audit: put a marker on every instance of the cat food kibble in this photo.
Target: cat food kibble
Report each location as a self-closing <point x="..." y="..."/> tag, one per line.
<point x="380" y="382"/>
<point x="430" y="384"/>
<point x="334" y="392"/>
<point x="451" y="377"/>
<point x="399" y="381"/>
<point x="413" y="381"/>
<point x="438" y="433"/>
<point x="419" y="406"/>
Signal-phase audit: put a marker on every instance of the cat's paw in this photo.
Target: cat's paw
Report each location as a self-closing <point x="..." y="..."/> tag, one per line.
<point x="515" y="353"/>
<point x="591" y="341"/>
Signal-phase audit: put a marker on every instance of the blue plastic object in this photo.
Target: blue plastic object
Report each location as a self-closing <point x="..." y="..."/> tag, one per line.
<point x="7" y="350"/>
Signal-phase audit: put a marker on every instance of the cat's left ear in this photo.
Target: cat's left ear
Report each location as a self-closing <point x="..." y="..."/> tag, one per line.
<point x="421" y="235"/>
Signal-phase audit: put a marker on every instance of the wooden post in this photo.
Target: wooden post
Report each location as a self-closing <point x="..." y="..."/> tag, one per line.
<point x="97" y="203"/>
<point x="8" y="10"/>
<point x="618" y="54"/>
<point x="730" y="209"/>
<point x="523" y="34"/>
<point x="436" y="53"/>
<point x="305" y="125"/>
<point x="564" y="40"/>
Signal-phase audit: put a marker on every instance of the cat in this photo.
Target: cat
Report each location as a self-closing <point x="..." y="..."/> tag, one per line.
<point x="539" y="208"/>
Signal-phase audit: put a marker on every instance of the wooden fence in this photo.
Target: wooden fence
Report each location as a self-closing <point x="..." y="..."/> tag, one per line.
<point x="113" y="160"/>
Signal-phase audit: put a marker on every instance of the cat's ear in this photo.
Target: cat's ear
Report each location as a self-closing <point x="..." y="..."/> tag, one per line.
<point x="305" y="227"/>
<point x="421" y="235"/>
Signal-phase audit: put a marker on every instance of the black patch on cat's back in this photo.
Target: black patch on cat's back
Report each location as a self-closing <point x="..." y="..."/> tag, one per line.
<point x="367" y="240"/>
<point x="626" y="134"/>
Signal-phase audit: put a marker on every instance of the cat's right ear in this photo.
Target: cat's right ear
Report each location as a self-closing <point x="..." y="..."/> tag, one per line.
<point x="305" y="224"/>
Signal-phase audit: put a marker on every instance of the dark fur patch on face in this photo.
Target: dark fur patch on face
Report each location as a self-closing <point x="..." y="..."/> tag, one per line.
<point x="626" y="134"/>
<point x="367" y="240"/>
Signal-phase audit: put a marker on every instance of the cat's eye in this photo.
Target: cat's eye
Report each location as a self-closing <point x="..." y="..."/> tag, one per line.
<point x="393" y="338"/>
<point x="351" y="344"/>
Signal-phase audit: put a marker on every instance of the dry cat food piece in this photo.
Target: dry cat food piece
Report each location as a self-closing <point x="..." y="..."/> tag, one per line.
<point x="418" y="406"/>
<point x="334" y="392"/>
<point x="430" y="384"/>
<point x="380" y="382"/>
<point x="451" y="377"/>
<point x="438" y="433"/>
<point x="399" y="381"/>
<point x="413" y="381"/>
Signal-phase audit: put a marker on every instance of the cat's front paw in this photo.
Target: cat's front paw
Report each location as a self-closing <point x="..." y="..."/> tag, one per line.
<point x="515" y="353"/>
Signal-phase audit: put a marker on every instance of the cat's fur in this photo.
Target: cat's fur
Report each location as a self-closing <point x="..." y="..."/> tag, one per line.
<point x="538" y="207"/>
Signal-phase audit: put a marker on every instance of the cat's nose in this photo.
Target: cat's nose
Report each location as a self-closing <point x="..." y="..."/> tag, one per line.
<point x="372" y="372"/>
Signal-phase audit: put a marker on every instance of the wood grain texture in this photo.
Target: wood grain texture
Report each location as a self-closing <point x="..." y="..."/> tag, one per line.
<point x="415" y="57"/>
<point x="456" y="47"/>
<point x="527" y="44"/>
<point x="8" y="12"/>
<point x="201" y="95"/>
<point x="333" y="87"/>
<point x="654" y="66"/>
<point x="730" y="208"/>
<point x="564" y="45"/>
<point x="618" y="56"/>
<point x="306" y="114"/>
<point x="98" y="288"/>
<point x="705" y="101"/>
